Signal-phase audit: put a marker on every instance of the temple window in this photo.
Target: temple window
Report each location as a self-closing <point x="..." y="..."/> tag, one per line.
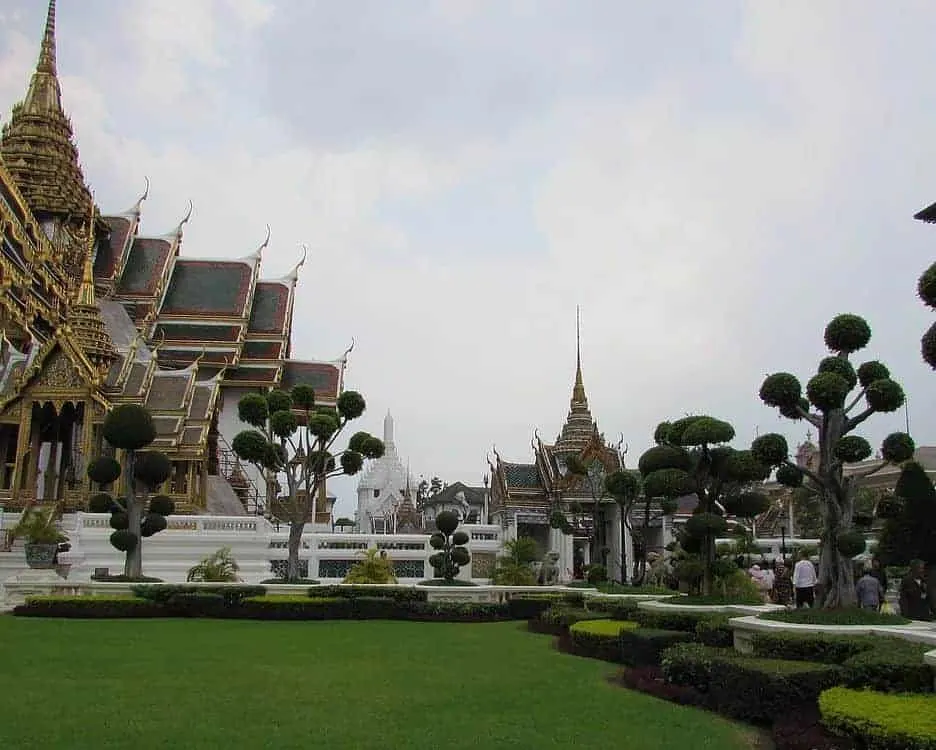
<point x="376" y="493"/>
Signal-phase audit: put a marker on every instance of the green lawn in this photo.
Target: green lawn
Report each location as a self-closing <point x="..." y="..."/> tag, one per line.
<point x="143" y="684"/>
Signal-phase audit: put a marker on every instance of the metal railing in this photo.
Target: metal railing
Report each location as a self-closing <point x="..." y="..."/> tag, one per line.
<point x="231" y="468"/>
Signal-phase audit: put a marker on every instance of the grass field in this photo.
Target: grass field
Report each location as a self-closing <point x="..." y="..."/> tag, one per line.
<point x="235" y="684"/>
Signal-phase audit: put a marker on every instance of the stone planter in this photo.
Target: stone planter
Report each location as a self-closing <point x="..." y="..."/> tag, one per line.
<point x="41" y="556"/>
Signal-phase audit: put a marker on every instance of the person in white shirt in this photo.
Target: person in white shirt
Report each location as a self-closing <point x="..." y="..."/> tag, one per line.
<point x="804" y="581"/>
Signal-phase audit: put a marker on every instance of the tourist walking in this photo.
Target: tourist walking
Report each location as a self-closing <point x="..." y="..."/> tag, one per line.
<point x="914" y="598"/>
<point x="870" y="592"/>
<point x="804" y="581"/>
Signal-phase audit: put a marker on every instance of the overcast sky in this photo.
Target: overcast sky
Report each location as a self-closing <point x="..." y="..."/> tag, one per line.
<point x="711" y="182"/>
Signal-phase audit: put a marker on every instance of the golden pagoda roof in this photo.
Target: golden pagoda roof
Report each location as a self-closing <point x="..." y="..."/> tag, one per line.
<point x="37" y="143"/>
<point x="84" y="320"/>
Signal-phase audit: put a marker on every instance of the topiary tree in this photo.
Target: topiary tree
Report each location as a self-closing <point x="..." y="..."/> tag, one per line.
<point x="838" y="399"/>
<point x="624" y="486"/>
<point x="691" y="457"/>
<point x="926" y="289"/>
<point x="909" y="531"/>
<point x="293" y="437"/>
<point x="129" y="428"/>
<point x="452" y="552"/>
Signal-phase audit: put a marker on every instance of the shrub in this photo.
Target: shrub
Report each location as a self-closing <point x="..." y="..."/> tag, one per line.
<point x="232" y="595"/>
<point x="374" y="567"/>
<point x="529" y="606"/>
<point x="716" y="600"/>
<point x="749" y="689"/>
<point x="88" y="607"/>
<point x="817" y="647"/>
<point x="557" y="619"/>
<point x="599" y="639"/>
<point x="396" y="593"/>
<point x="715" y="631"/>
<point x="880" y="721"/>
<point x="218" y="567"/>
<point x="661" y="620"/>
<point x="619" y="609"/>
<point x="294" y="607"/>
<point x="890" y="665"/>
<point x="196" y="604"/>
<point x="644" y="646"/>
<point x="849" y="616"/>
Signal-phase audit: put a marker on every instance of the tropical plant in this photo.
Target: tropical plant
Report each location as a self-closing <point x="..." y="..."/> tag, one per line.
<point x="452" y="552"/>
<point x="691" y="457"/>
<point x="294" y="437"/>
<point x="375" y="567"/>
<point x="218" y="567"/>
<point x="129" y="428"/>
<point x="926" y="289"/>
<point x="909" y="531"/>
<point x="836" y="412"/>
<point x="39" y="525"/>
<point x="514" y="567"/>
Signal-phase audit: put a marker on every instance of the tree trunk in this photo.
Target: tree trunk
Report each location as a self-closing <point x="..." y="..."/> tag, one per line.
<point x="133" y="564"/>
<point x="292" y="549"/>
<point x="708" y="558"/>
<point x="836" y="575"/>
<point x="625" y="531"/>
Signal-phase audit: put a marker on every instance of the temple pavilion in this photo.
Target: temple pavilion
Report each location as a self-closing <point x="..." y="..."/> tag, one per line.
<point x="524" y="496"/>
<point x="95" y="313"/>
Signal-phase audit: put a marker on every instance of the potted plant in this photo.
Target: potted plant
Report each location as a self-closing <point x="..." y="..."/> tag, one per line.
<point x="37" y="526"/>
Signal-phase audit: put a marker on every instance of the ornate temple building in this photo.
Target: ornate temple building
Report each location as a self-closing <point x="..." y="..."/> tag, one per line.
<point x="471" y="504"/>
<point x="385" y="492"/>
<point x="524" y="496"/>
<point x="95" y="313"/>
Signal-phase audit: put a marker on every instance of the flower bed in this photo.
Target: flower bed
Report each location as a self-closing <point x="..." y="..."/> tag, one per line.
<point x="880" y="721"/>
<point x="849" y="616"/>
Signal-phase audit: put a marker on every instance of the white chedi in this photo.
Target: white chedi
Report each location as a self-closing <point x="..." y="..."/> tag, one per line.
<point x="382" y="487"/>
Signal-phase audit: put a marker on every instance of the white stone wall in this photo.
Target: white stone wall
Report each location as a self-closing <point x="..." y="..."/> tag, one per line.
<point x="229" y="425"/>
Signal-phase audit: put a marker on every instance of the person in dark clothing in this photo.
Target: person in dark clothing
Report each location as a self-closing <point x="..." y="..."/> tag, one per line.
<point x="877" y="571"/>
<point x="914" y="598"/>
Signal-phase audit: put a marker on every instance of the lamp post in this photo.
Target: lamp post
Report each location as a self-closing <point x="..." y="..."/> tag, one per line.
<point x="783" y="542"/>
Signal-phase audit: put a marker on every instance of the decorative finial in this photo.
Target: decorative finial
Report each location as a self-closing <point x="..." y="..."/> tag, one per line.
<point x="266" y="241"/>
<point x="185" y="219"/>
<point x="578" y="391"/>
<point x="293" y="275"/>
<point x="344" y="357"/>
<point x="137" y="207"/>
<point x="47" y="50"/>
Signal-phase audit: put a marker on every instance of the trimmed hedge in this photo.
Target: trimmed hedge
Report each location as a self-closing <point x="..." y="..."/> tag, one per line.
<point x="715" y="600"/>
<point x="231" y="595"/>
<point x="750" y="689"/>
<point x="684" y="621"/>
<point x="877" y="662"/>
<point x="619" y="609"/>
<point x="557" y="620"/>
<point x="880" y="721"/>
<point x="644" y="647"/>
<point x="88" y="607"/>
<point x="395" y="593"/>
<point x="715" y="631"/>
<point x="599" y="639"/>
<point x="848" y="616"/>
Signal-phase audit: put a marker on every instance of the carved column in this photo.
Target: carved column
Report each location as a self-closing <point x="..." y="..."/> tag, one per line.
<point x="22" y="447"/>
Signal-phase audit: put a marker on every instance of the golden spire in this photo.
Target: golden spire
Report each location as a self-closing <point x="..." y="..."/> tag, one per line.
<point x="578" y="391"/>
<point x="37" y="146"/>
<point x="88" y="328"/>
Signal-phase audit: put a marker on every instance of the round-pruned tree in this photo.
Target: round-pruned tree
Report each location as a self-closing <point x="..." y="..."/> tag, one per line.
<point x="926" y="289"/>
<point x="624" y="486"/>
<point x="909" y="515"/>
<point x="129" y="428"/>
<point x="451" y="552"/>
<point x="294" y="437"/>
<point x="692" y="457"/>
<point x="837" y="399"/>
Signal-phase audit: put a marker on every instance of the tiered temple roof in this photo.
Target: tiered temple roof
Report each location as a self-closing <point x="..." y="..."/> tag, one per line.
<point x="546" y="482"/>
<point x="131" y="318"/>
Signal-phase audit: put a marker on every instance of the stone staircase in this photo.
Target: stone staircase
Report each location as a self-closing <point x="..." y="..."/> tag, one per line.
<point x="232" y="475"/>
<point x="223" y="499"/>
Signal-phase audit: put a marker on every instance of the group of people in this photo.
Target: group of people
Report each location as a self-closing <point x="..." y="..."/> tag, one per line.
<point x="797" y="587"/>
